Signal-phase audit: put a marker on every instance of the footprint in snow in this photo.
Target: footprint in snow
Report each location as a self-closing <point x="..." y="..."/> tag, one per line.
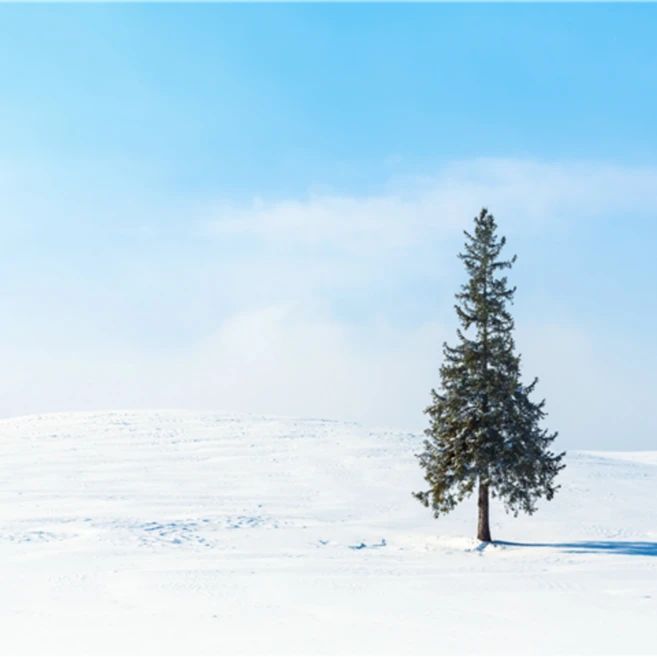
<point x="364" y="545"/>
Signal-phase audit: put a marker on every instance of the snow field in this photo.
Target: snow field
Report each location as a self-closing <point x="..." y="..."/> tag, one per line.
<point x="175" y="532"/>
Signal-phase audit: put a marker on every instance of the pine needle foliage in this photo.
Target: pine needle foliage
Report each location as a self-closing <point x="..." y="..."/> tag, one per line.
<point x="484" y="428"/>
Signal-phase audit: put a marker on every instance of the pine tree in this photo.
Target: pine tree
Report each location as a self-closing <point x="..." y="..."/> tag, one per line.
<point x="484" y="429"/>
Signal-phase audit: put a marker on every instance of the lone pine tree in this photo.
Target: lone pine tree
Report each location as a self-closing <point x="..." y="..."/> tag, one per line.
<point x="484" y="429"/>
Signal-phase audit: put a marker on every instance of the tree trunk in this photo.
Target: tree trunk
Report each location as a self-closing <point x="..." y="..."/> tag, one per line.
<point x="483" y="531"/>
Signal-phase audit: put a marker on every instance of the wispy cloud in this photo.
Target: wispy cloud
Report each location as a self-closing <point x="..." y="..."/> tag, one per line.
<point x="414" y="210"/>
<point x="300" y="306"/>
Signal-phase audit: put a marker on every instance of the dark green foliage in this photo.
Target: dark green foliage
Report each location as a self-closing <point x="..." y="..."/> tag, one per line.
<point x="483" y="426"/>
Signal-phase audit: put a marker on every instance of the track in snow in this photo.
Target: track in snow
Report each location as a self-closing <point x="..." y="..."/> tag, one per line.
<point x="171" y="532"/>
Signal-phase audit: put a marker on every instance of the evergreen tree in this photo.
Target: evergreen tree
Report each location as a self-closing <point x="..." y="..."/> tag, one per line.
<point x="484" y="429"/>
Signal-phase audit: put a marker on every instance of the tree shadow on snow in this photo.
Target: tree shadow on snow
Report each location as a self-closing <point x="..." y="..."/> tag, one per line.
<point x="632" y="548"/>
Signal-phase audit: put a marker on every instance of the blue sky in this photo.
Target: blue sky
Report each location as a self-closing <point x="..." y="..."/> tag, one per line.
<point x="258" y="207"/>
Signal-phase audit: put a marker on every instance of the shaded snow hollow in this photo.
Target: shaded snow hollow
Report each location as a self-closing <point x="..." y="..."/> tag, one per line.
<point x="172" y="532"/>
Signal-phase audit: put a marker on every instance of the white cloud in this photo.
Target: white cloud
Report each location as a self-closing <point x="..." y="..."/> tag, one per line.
<point x="296" y="361"/>
<point x="279" y="360"/>
<point x="254" y="320"/>
<point x="524" y="194"/>
<point x="598" y="387"/>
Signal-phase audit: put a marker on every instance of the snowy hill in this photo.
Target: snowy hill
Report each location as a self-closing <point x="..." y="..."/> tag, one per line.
<point x="194" y="533"/>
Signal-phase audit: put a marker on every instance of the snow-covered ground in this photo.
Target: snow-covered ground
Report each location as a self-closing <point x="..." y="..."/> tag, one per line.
<point x="198" y="533"/>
